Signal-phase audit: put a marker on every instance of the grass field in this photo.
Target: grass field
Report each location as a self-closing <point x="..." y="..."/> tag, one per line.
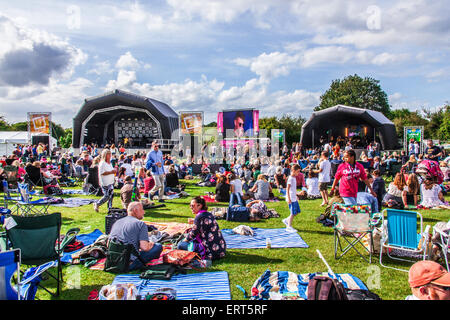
<point x="244" y="266"/>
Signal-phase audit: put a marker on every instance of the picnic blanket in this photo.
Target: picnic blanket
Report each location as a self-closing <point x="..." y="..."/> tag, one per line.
<point x="209" y="199"/>
<point x="87" y="240"/>
<point x="290" y="284"/>
<point x="196" y="286"/>
<point x="171" y="228"/>
<point x="74" y="202"/>
<point x="279" y="238"/>
<point x="73" y="191"/>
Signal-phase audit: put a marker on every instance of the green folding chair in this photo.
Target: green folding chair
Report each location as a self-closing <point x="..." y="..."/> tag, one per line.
<point x="38" y="239"/>
<point x="352" y="224"/>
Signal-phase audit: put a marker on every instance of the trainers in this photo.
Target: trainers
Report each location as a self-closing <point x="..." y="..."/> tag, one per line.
<point x="95" y="206"/>
<point x="291" y="230"/>
<point x="285" y="222"/>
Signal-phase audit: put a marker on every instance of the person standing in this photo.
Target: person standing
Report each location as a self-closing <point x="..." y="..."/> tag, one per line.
<point x="324" y="177"/>
<point x="106" y="174"/>
<point x="291" y="198"/>
<point x="154" y="162"/>
<point x="349" y="173"/>
<point x="432" y="152"/>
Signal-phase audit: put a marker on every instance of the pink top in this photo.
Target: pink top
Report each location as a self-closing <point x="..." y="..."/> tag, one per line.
<point x="349" y="177"/>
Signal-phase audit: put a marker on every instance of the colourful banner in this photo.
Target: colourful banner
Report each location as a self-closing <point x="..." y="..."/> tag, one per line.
<point x="191" y="122"/>
<point x="39" y="123"/>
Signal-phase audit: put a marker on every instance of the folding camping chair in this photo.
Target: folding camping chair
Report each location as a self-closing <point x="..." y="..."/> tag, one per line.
<point x="11" y="175"/>
<point x="444" y="243"/>
<point x="352" y="223"/>
<point x="26" y="206"/>
<point x="92" y="185"/>
<point x="34" y="176"/>
<point x="400" y="233"/>
<point x="38" y="237"/>
<point x="9" y="265"/>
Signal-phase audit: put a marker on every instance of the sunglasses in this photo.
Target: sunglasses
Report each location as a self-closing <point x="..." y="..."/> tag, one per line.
<point x="445" y="289"/>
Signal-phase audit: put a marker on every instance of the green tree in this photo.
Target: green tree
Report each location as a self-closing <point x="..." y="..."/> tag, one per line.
<point x="444" y="130"/>
<point x="66" y="139"/>
<point x="355" y="91"/>
<point x="404" y="117"/>
<point x="292" y="126"/>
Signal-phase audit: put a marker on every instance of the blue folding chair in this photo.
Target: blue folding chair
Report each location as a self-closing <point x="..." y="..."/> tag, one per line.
<point x="26" y="289"/>
<point x="400" y="233"/>
<point x="9" y="265"/>
<point x="26" y="206"/>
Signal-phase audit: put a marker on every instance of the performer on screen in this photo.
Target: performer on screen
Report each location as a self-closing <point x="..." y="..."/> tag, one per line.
<point x="239" y="121"/>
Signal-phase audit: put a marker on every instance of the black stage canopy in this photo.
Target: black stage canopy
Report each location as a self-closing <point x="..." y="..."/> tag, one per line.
<point x="345" y="121"/>
<point x="119" y="117"/>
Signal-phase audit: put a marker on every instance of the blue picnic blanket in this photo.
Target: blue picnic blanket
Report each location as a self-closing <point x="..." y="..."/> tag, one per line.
<point x="297" y="284"/>
<point x="87" y="240"/>
<point x="195" y="286"/>
<point x="279" y="238"/>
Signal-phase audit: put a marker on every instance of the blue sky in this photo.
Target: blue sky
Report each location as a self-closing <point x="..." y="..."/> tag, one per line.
<point x="278" y="56"/>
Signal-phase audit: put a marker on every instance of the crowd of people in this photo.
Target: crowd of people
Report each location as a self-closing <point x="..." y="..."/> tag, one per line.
<point x="247" y="175"/>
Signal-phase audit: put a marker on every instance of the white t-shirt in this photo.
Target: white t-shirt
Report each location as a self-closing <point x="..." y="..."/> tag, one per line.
<point x="237" y="183"/>
<point x="293" y="190"/>
<point x="324" y="176"/>
<point x="105" y="180"/>
<point x="128" y="169"/>
<point x="313" y="186"/>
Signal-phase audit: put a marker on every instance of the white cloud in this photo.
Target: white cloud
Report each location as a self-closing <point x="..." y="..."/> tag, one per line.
<point x="127" y="61"/>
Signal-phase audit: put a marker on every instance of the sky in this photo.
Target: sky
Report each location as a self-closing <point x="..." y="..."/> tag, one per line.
<point x="278" y="56"/>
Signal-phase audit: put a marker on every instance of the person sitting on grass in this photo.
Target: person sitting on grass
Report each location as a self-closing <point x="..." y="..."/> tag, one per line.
<point x="126" y="192"/>
<point x="411" y="194"/>
<point x="222" y="190"/>
<point x="131" y="230"/>
<point x="205" y="237"/>
<point x="393" y="197"/>
<point x="262" y="189"/>
<point x="312" y="183"/>
<point x="432" y="196"/>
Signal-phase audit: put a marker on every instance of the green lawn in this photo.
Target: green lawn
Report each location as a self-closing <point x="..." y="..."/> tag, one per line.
<point x="244" y="266"/>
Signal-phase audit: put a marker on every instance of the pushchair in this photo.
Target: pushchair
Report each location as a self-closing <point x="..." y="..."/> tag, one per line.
<point x="430" y="168"/>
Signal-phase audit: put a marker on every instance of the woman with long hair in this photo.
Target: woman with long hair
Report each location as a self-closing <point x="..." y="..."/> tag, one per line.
<point x="205" y="237"/>
<point x="394" y="195"/>
<point x="411" y="191"/>
<point x="106" y="174"/>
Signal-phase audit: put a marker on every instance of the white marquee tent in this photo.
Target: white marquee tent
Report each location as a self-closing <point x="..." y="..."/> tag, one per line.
<point x="9" y="140"/>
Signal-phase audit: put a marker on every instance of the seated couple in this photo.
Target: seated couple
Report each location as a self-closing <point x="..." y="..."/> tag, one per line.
<point x="204" y="238"/>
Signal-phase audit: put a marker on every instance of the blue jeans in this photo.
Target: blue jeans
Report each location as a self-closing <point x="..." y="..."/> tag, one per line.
<point x="367" y="198"/>
<point x="349" y="200"/>
<point x="183" y="245"/>
<point x="235" y="198"/>
<point x="153" y="253"/>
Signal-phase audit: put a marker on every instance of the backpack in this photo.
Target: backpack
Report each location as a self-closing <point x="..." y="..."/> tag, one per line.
<point x="238" y="214"/>
<point x="118" y="256"/>
<point x="361" y="295"/>
<point x="325" y="288"/>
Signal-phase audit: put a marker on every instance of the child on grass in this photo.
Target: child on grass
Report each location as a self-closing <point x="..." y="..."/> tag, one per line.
<point x="291" y="197"/>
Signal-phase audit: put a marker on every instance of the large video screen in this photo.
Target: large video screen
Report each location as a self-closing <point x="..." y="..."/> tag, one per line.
<point x="238" y="123"/>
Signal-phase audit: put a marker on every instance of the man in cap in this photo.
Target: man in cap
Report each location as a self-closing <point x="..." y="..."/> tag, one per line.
<point x="429" y="281"/>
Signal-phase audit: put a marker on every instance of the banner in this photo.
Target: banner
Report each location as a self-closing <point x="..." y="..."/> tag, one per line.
<point x="39" y="123"/>
<point x="191" y="122"/>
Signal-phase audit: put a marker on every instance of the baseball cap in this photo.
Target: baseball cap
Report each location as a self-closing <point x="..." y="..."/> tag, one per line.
<point x="424" y="272"/>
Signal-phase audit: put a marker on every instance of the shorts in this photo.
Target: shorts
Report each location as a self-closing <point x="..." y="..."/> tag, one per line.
<point x="323" y="186"/>
<point x="294" y="208"/>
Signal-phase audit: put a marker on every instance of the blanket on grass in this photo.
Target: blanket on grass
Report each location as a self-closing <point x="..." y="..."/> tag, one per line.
<point x="289" y="285"/>
<point x="279" y="238"/>
<point x="196" y="286"/>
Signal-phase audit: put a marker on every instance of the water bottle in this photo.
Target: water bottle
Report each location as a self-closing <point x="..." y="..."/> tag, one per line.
<point x="268" y="243"/>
